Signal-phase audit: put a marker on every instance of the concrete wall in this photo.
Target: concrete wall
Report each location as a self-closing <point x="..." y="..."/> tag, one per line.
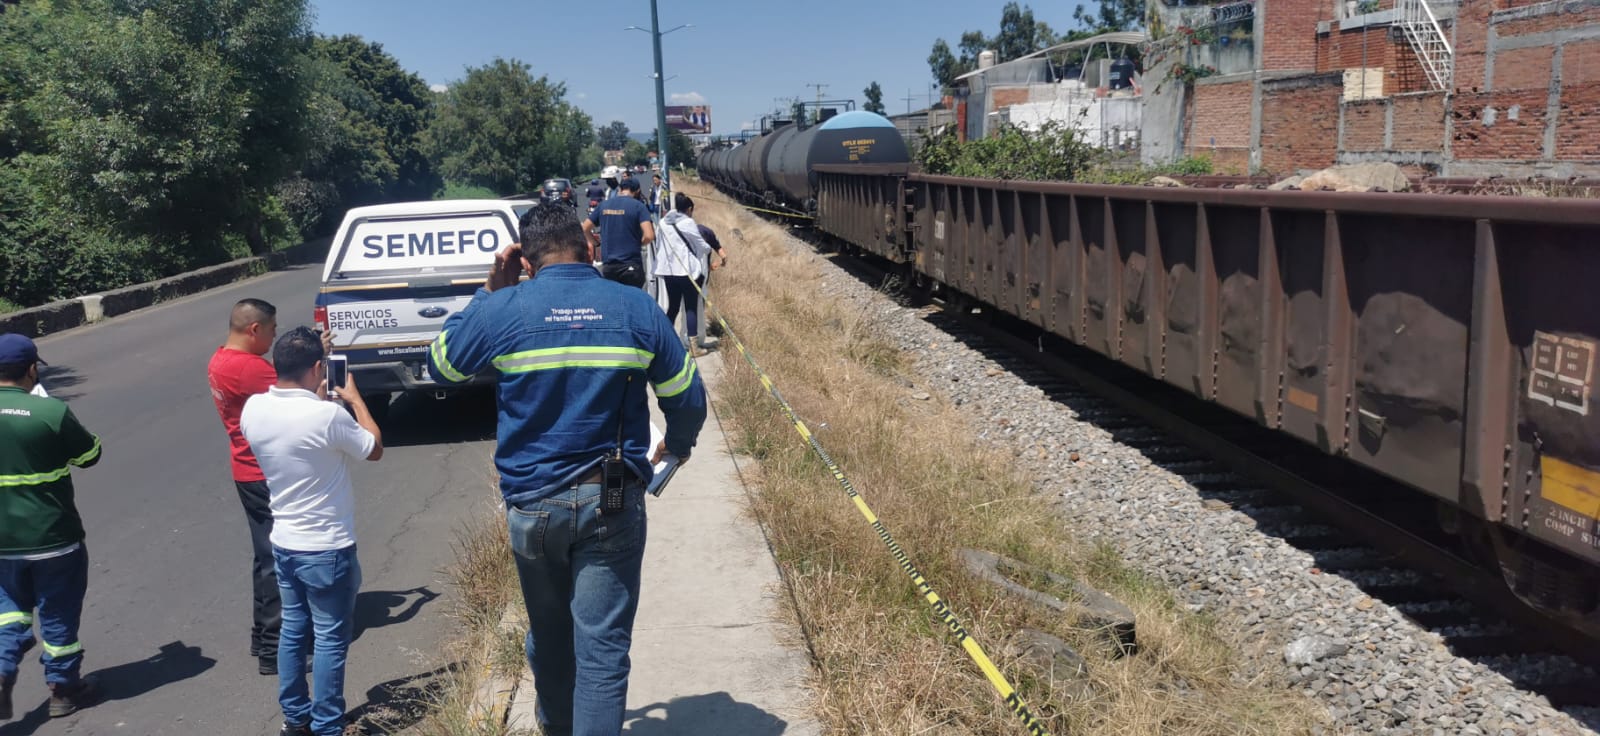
<point x="68" y="313"/>
<point x="1162" y="122"/>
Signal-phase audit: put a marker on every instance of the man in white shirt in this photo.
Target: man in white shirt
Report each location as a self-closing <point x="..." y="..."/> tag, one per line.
<point x="304" y="444"/>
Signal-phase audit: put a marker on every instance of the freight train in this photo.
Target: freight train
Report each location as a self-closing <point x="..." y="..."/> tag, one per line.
<point x="1446" y="341"/>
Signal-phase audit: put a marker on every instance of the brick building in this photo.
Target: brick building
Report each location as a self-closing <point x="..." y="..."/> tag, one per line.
<point x="1475" y="88"/>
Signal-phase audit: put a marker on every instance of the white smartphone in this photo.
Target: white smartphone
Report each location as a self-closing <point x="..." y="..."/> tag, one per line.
<point x="338" y="369"/>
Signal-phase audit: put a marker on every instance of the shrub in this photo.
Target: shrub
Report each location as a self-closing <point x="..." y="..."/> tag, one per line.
<point x="1055" y="152"/>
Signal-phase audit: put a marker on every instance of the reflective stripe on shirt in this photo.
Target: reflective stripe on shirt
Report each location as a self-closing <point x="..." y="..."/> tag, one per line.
<point x="678" y="383"/>
<point x="440" y="361"/>
<point x="584" y="356"/>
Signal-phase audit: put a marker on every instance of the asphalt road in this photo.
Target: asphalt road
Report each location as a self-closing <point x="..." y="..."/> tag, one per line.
<point x="167" y="619"/>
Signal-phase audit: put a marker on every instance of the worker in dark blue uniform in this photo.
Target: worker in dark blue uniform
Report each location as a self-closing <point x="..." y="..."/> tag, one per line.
<point x="624" y="228"/>
<point x="574" y="352"/>
<point x="596" y="193"/>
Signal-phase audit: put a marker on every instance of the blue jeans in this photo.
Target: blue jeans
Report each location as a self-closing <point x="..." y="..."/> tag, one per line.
<point x="319" y="588"/>
<point x="56" y="588"/>
<point x="579" y="571"/>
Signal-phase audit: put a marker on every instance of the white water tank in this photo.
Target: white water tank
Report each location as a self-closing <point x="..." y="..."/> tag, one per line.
<point x="985" y="59"/>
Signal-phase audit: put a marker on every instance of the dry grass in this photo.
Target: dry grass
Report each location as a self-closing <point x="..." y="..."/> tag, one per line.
<point x="885" y="664"/>
<point x="485" y="579"/>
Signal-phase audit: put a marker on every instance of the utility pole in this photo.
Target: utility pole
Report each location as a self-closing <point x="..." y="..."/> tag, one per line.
<point x="661" y="91"/>
<point x="820" y="88"/>
<point x="909" y="98"/>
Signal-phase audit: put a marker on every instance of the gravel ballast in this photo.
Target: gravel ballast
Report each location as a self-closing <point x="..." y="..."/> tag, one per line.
<point x="1375" y="670"/>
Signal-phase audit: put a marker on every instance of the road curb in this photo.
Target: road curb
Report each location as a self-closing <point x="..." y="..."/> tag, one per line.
<point x="491" y="700"/>
<point x="66" y="314"/>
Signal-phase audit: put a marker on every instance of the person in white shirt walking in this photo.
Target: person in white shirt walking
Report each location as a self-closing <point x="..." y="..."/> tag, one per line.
<point x="304" y="444"/>
<point x="680" y="260"/>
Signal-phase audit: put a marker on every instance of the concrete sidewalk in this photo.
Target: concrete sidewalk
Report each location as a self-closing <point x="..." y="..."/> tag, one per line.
<point x="712" y="655"/>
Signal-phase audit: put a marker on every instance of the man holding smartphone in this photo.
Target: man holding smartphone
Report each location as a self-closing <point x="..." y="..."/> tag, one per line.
<point x="574" y="352"/>
<point x="304" y="444"/>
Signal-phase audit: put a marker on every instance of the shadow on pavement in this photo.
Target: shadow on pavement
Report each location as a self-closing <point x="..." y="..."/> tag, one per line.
<point x="376" y="609"/>
<point x="467" y="415"/>
<point x="401" y="703"/>
<point x="174" y="662"/>
<point x="714" y="714"/>
<point x="58" y="381"/>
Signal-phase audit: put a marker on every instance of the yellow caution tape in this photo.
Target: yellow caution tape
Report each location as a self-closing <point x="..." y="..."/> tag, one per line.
<point x="998" y="681"/>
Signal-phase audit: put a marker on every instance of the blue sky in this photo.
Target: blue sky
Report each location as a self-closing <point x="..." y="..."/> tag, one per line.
<point x="737" y="58"/>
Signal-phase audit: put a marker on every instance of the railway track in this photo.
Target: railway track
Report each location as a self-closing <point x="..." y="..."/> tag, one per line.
<point x="1372" y="531"/>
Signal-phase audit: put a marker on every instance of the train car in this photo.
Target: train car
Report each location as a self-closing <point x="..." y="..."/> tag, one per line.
<point x="854" y="138"/>
<point x="1448" y="342"/>
<point x="779" y="168"/>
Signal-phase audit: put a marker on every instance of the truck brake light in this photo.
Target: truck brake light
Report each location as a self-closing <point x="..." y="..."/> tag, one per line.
<point x="320" y="316"/>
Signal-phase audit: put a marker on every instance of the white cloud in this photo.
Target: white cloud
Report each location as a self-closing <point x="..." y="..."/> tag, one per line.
<point x="686" y="98"/>
<point x="583" y="95"/>
<point x="438" y="87"/>
<point x="747" y="125"/>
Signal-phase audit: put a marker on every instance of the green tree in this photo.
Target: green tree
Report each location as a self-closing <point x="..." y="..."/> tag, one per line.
<point x="1020" y="34"/>
<point x="366" y="143"/>
<point x="614" y="136"/>
<point x="173" y="118"/>
<point x="874" y="95"/>
<point x="1111" y="15"/>
<point x="680" y="149"/>
<point x="504" y="129"/>
<point x="397" y="101"/>
<point x="572" y="132"/>
<point x="635" y="153"/>
<point x="943" y="64"/>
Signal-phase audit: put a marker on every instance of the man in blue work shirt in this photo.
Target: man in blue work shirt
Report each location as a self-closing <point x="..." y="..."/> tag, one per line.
<point x="574" y="352"/>
<point x="624" y="229"/>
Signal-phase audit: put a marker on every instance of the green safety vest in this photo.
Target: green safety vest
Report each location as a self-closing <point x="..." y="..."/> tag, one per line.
<point x="40" y="440"/>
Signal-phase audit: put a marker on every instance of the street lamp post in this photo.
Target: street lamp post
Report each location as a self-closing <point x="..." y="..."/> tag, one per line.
<point x="661" y="93"/>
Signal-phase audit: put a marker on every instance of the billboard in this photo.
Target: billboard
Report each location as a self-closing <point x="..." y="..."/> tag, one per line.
<point x="690" y="119"/>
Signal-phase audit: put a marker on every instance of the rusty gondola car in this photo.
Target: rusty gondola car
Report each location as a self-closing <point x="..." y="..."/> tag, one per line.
<point x="1445" y="341"/>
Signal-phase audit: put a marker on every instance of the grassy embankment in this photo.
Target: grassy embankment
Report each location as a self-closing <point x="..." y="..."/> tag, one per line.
<point x="884" y="663"/>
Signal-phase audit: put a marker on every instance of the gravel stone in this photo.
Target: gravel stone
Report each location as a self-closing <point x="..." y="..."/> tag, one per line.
<point x="1308" y="649"/>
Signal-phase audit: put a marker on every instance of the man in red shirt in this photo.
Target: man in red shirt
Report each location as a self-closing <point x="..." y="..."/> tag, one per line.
<point x="237" y="372"/>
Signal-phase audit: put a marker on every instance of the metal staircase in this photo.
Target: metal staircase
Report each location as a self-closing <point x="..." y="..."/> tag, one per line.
<point x="1427" y="38"/>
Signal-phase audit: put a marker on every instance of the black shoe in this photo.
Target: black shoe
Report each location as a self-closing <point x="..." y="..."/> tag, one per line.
<point x="292" y="730"/>
<point x="5" y="697"/>
<point x="267" y="664"/>
<point x="68" y="699"/>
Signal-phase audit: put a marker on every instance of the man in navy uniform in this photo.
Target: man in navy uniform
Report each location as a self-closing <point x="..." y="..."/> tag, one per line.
<point x="624" y="227"/>
<point x="574" y="352"/>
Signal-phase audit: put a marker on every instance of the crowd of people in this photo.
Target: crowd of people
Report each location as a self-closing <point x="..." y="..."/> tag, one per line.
<point x="574" y="457"/>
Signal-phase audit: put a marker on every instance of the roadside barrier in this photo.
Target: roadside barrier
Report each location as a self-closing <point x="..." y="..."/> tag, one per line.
<point x="998" y="681"/>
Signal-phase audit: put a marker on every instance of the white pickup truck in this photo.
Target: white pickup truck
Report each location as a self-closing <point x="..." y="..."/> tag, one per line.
<point x="395" y="272"/>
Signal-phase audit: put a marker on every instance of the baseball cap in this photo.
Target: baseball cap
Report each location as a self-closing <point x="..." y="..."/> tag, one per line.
<point x="15" y="348"/>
